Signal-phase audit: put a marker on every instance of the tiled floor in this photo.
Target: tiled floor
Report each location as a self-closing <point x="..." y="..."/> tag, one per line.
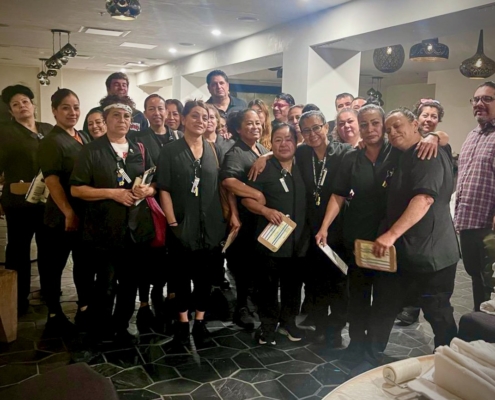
<point x="233" y="368"/>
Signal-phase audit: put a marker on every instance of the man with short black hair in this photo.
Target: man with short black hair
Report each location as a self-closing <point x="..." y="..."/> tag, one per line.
<point x="219" y="88"/>
<point x="118" y="84"/>
<point x="281" y="106"/>
<point x="342" y="100"/>
<point x="358" y="102"/>
<point x="475" y="199"/>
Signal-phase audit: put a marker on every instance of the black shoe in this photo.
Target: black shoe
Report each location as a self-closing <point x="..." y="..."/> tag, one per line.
<point x="125" y="339"/>
<point x="293" y="333"/>
<point x="60" y="325"/>
<point x="408" y="316"/>
<point x="145" y="317"/>
<point x="266" y="335"/>
<point x="82" y="320"/>
<point x="182" y="333"/>
<point x="200" y="333"/>
<point x="244" y="319"/>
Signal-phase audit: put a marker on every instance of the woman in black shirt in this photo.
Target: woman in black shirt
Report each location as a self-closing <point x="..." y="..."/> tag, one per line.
<point x="96" y="124"/>
<point x="189" y="194"/>
<point x="19" y="141"/>
<point x="57" y="154"/>
<point x="103" y="176"/>
<point x="284" y="193"/>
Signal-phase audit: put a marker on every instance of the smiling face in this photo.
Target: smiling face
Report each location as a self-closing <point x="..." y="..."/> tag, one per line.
<point x="428" y="119"/>
<point x="348" y="128"/>
<point x="173" y="118"/>
<point x="402" y="133"/>
<point x="280" y="110"/>
<point x="196" y="121"/>
<point x="250" y="131"/>
<point x="68" y="112"/>
<point x="283" y="144"/>
<point x="155" y="113"/>
<point x="218" y="87"/>
<point x="21" y="107"/>
<point x="118" y="122"/>
<point x="371" y="127"/>
<point x="314" y="131"/>
<point x="484" y="112"/>
<point x="293" y="118"/>
<point x="96" y="125"/>
<point x="118" y="87"/>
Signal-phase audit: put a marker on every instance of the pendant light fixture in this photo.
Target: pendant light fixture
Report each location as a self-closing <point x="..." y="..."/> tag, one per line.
<point x="389" y="59"/>
<point x="478" y="66"/>
<point x="68" y="50"/>
<point x="429" y="50"/>
<point x="53" y="62"/>
<point x="125" y="10"/>
<point x="43" y="76"/>
<point x="374" y="93"/>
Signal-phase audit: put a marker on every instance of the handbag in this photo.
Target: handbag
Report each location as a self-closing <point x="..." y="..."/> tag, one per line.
<point x="150" y="218"/>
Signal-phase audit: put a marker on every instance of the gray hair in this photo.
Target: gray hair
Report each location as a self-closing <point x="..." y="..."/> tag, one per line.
<point x="312" y="113"/>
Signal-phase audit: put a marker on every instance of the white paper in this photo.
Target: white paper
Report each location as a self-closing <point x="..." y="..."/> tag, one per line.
<point x="334" y="257"/>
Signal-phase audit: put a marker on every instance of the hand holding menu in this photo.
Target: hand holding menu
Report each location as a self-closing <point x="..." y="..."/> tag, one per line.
<point x="144" y="180"/>
<point x="274" y="236"/>
<point x="363" y="249"/>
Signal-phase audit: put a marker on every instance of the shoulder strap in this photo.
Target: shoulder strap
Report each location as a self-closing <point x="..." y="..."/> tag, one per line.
<point x="212" y="145"/>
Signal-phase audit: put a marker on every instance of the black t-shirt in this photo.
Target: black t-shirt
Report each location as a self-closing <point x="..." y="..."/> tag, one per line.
<point x="200" y="219"/>
<point x="138" y="122"/>
<point x="368" y="183"/>
<point x="106" y="221"/>
<point x="291" y="203"/>
<point x="152" y="141"/>
<point x="57" y="155"/>
<point x="19" y="158"/>
<point x="224" y="145"/>
<point x="431" y="244"/>
<point x="311" y="171"/>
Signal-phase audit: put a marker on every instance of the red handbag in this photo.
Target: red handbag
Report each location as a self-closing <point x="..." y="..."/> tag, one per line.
<point x="159" y="219"/>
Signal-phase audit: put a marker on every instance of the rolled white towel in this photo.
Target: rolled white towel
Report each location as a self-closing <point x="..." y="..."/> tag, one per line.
<point x="402" y="371"/>
<point x="479" y="350"/>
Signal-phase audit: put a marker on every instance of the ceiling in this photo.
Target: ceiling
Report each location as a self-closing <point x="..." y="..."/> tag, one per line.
<point x="25" y="28"/>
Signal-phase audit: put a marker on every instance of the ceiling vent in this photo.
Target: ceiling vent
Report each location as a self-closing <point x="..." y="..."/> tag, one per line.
<point x="103" y="32"/>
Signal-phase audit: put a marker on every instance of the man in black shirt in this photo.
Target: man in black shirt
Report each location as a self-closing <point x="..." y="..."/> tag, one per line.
<point x="219" y="88"/>
<point x="118" y="84"/>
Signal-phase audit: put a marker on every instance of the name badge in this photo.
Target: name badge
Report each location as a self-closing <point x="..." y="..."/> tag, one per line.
<point x="284" y="185"/>
<point x="194" y="188"/>
<point x="124" y="175"/>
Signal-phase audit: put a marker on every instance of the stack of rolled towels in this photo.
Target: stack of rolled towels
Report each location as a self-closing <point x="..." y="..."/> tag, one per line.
<point x="467" y="370"/>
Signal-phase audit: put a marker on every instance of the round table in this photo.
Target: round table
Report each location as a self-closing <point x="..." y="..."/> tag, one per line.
<point x="370" y="385"/>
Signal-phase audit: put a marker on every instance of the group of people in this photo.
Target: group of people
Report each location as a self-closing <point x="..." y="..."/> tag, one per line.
<point x="223" y="168"/>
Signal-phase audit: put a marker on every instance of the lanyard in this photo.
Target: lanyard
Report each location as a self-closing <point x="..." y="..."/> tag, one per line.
<point x="321" y="179"/>
<point x="122" y="176"/>
<point x="195" y="183"/>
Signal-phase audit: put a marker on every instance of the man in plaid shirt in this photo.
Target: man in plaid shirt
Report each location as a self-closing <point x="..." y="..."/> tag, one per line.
<point x="475" y="203"/>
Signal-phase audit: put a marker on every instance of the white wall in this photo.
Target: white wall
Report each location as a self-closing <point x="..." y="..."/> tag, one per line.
<point x="407" y="95"/>
<point x="20" y="75"/>
<point x="454" y="91"/>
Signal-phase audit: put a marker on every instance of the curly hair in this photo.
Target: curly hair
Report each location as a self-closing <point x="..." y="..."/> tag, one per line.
<point x="418" y="107"/>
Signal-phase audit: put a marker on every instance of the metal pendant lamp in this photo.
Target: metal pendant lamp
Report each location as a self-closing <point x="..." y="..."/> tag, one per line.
<point x="389" y="59"/>
<point x="125" y="10"/>
<point x="478" y="66"/>
<point x="429" y="50"/>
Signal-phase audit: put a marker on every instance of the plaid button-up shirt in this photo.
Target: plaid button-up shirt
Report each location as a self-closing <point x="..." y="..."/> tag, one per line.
<point x="475" y="202"/>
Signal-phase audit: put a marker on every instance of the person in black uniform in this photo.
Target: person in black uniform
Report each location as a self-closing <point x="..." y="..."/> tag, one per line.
<point x="153" y="138"/>
<point x="361" y="177"/>
<point x="173" y="122"/>
<point x="419" y="224"/>
<point x="212" y="129"/>
<point x="96" y="124"/>
<point x="57" y="154"/>
<point x="190" y="198"/>
<point x="103" y="176"/>
<point x="118" y="85"/>
<point x="19" y="141"/>
<point x="284" y="193"/>
<point x="247" y="127"/>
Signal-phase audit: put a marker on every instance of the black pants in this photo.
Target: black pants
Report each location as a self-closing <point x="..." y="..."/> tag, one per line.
<point x="22" y="224"/>
<point x="286" y="272"/>
<point x="389" y="290"/>
<point x="478" y="263"/>
<point x="117" y="270"/>
<point x="327" y="286"/>
<point x="154" y="273"/>
<point x="59" y="244"/>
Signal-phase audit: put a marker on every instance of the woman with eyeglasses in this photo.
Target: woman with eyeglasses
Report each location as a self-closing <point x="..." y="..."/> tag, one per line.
<point x="261" y="109"/>
<point x="190" y="198"/>
<point x="19" y="143"/>
<point x="96" y="123"/>
<point x="282" y="193"/>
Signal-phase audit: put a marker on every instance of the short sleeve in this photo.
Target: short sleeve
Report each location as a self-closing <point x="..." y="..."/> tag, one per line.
<point x="164" y="170"/>
<point x="50" y="157"/>
<point x="232" y="167"/>
<point x="82" y="174"/>
<point x="426" y="176"/>
<point x="341" y="186"/>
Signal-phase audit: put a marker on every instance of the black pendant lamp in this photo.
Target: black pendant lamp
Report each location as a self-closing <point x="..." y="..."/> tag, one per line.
<point x="389" y="59"/>
<point x="125" y="10"/>
<point x="478" y="66"/>
<point x="429" y="50"/>
<point x="43" y="76"/>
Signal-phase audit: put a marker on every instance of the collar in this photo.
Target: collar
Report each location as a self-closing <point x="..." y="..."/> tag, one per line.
<point x="487" y="127"/>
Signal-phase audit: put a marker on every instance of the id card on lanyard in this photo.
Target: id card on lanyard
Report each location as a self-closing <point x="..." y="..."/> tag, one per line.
<point x="321" y="179"/>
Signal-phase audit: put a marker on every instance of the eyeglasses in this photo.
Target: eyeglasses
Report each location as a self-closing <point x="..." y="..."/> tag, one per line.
<point x="315" y="129"/>
<point x="484" y="99"/>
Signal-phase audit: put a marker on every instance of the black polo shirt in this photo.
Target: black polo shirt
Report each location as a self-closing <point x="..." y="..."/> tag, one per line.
<point x="235" y="104"/>
<point x="152" y="141"/>
<point x="431" y="244"/>
<point x="368" y="182"/>
<point x="291" y="203"/>
<point x="306" y="158"/>
<point x="57" y="155"/>
<point x="200" y="219"/>
<point x="224" y="145"/>
<point x="105" y="221"/>
<point x="19" y="158"/>
<point x="138" y="122"/>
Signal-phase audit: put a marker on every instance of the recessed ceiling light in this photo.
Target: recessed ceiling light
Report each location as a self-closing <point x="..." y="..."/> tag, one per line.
<point x="172" y="50"/>
<point x="186" y="44"/>
<point x="139" y="45"/>
<point x="247" y="19"/>
<point x="216" y="32"/>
